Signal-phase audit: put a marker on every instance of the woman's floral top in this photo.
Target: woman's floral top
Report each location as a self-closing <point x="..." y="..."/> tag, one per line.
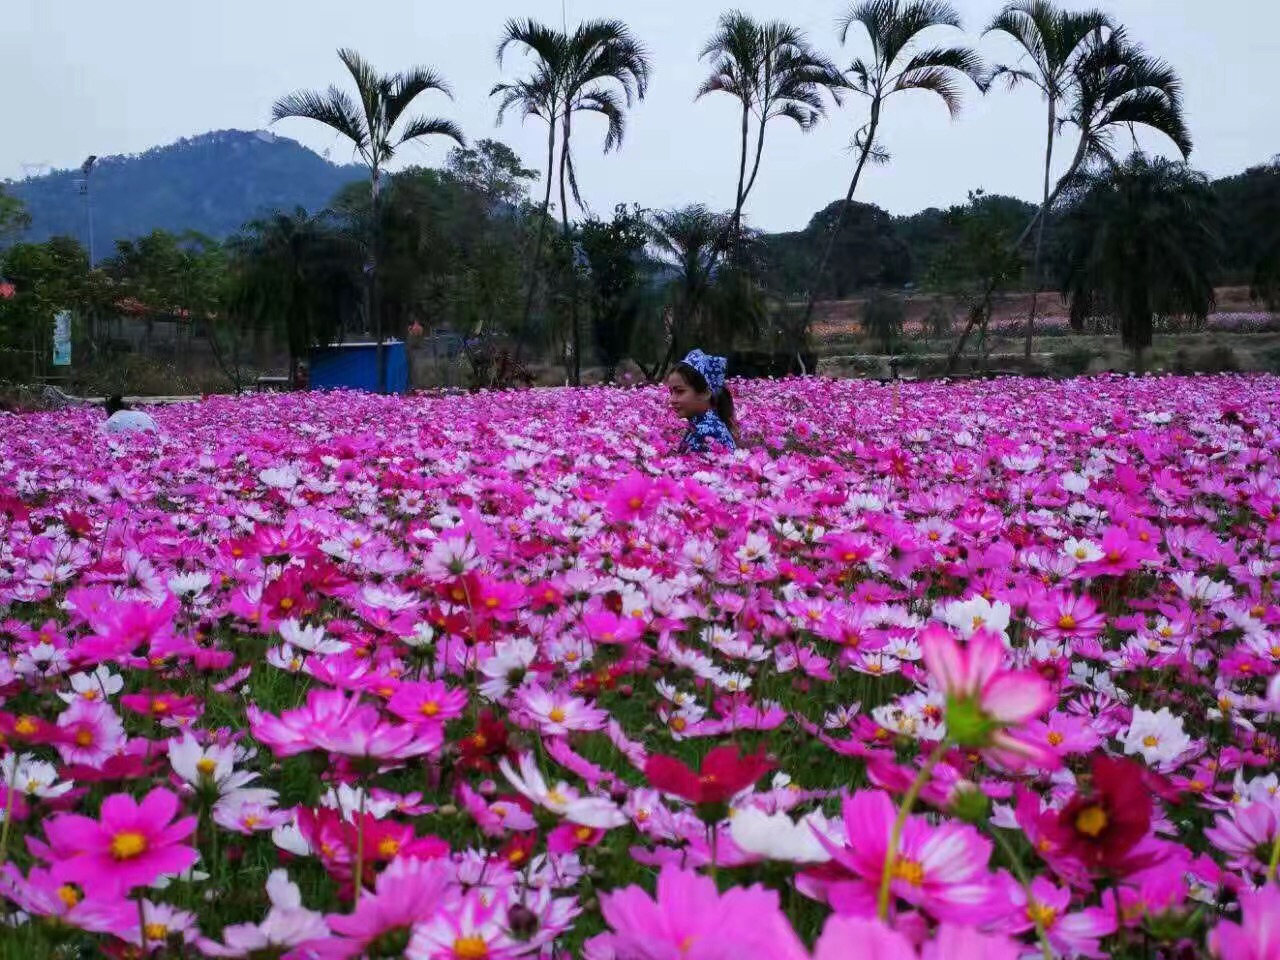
<point x="706" y="432"/>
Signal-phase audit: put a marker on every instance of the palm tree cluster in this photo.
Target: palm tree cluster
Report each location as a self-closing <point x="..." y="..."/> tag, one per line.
<point x="1094" y="80"/>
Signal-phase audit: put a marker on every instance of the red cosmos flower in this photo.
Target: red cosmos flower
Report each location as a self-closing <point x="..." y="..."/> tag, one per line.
<point x="724" y="773"/>
<point x="1100" y="827"/>
<point x="489" y="740"/>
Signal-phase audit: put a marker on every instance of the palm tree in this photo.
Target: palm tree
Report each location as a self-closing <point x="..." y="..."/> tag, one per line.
<point x="715" y="298"/>
<point x="774" y="74"/>
<point x="294" y="271"/>
<point x="1141" y="242"/>
<point x="371" y="125"/>
<point x="1053" y="43"/>
<point x="1115" y="87"/>
<point x="537" y="96"/>
<point x="578" y="72"/>
<point x="899" y="62"/>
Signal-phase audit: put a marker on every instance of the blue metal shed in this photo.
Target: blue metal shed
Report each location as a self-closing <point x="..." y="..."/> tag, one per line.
<point x="354" y="366"/>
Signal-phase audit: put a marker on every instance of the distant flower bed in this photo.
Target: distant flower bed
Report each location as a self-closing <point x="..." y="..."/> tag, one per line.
<point x="970" y="671"/>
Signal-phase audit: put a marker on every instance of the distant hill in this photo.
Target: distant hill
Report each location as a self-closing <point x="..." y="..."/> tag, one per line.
<point x="213" y="183"/>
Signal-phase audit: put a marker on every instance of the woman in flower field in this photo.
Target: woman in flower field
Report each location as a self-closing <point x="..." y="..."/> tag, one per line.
<point x="697" y="393"/>
<point x="485" y="677"/>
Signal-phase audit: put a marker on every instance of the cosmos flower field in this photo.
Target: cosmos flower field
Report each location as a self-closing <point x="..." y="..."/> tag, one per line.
<point x="944" y="671"/>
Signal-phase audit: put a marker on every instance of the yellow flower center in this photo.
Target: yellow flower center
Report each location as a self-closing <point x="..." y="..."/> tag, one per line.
<point x="1066" y="622"/>
<point x="388" y="847"/>
<point x="205" y="767"/>
<point x="583" y="834"/>
<point x="156" y="931"/>
<point x="429" y="708"/>
<point x="909" y="870"/>
<point x="1150" y="741"/>
<point x="635" y="503"/>
<point x="556" y="715"/>
<point x="470" y="948"/>
<point x="25" y="726"/>
<point x="84" y="738"/>
<point x="90" y="694"/>
<point x="69" y="895"/>
<point x="556" y="797"/>
<point x="251" y="821"/>
<point x="286" y="603"/>
<point x="491" y="602"/>
<point x="128" y="844"/>
<point x="686" y="945"/>
<point x="1091" y="821"/>
<point x="1055" y="738"/>
<point x="1039" y="913"/>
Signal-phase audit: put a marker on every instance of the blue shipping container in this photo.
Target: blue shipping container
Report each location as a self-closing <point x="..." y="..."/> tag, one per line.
<point x="354" y="366"/>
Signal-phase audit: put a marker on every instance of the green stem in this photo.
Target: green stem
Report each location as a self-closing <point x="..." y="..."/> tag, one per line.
<point x="1271" y="867"/>
<point x="8" y="809"/>
<point x="909" y="801"/>
<point x="1023" y="879"/>
<point x="364" y="791"/>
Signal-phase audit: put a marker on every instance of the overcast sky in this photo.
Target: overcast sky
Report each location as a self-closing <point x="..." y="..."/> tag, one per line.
<point x="87" y="76"/>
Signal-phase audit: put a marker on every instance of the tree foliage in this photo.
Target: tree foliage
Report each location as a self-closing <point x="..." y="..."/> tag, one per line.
<point x="1142" y="241"/>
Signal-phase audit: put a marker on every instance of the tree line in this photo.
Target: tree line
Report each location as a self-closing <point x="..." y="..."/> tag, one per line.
<point x="469" y="247"/>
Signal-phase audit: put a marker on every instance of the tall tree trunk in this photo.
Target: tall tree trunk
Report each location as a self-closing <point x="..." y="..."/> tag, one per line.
<point x="820" y="273"/>
<point x="740" y="198"/>
<point x="542" y="232"/>
<point x="375" y="307"/>
<point x="1022" y="238"/>
<point x="574" y="337"/>
<point x="1044" y="216"/>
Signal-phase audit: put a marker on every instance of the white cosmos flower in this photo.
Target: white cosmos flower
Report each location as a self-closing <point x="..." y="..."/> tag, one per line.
<point x="595" y="812"/>
<point x="969" y="616"/>
<point x="1081" y="550"/>
<point x="102" y="684"/>
<point x="212" y="764"/>
<point x="1158" y="737"/>
<point x="310" y="639"/>
<point x="280" y="478"/>
<point x="189" y="584"/>
<point x="1075" y="482"/>
<point x="34" y="777"/>
<point x="777" y="837"/>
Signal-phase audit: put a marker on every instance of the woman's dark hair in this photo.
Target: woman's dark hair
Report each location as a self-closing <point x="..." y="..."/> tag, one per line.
<point x="721" y="402"/>
<point x="114" y="404"/>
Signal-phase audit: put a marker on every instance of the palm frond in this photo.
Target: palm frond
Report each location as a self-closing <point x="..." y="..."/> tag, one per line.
<point x="605" y="103"/>
<point x="407" y="86"/>
<point x="938" y="80"/>
<point x="545" y="43"/>
<point x="417" y="128"/>
<point x="334" y="108"/>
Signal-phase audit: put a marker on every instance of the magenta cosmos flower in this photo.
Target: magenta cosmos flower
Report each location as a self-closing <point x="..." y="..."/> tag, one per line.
<point x="940" y="869"/>
<point x="131" y="845"/>
<point x="691" y="920"/>
<point x="1257" y="936"/>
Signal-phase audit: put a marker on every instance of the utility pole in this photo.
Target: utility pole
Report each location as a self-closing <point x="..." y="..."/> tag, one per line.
<point x="86" y="168"/>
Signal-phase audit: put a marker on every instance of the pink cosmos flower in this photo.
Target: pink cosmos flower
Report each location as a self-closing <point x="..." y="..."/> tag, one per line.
<point x="632" y="498"/>
<point x="940" y="869"/>
<point x="329" y="721"/>
<point x="91" y="733"/>
<point x="1063" y="615"/>
<point x="407" y="893"/>
<point x="846" y="937"/>
<point x="689" y="919"/>
<point x="983" y="698"/>
<point x="429" y="701"/>
<point x="132" y="844"/>
<point x="1257" y="936"/>
<point x="42" y="895"/>
<point x="1246" y="834"/>
<point x="557" y="713"/>
<point x="1072" y="933"/>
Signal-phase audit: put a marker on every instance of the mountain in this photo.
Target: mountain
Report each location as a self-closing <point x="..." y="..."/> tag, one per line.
<point x="213" y="184"/>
